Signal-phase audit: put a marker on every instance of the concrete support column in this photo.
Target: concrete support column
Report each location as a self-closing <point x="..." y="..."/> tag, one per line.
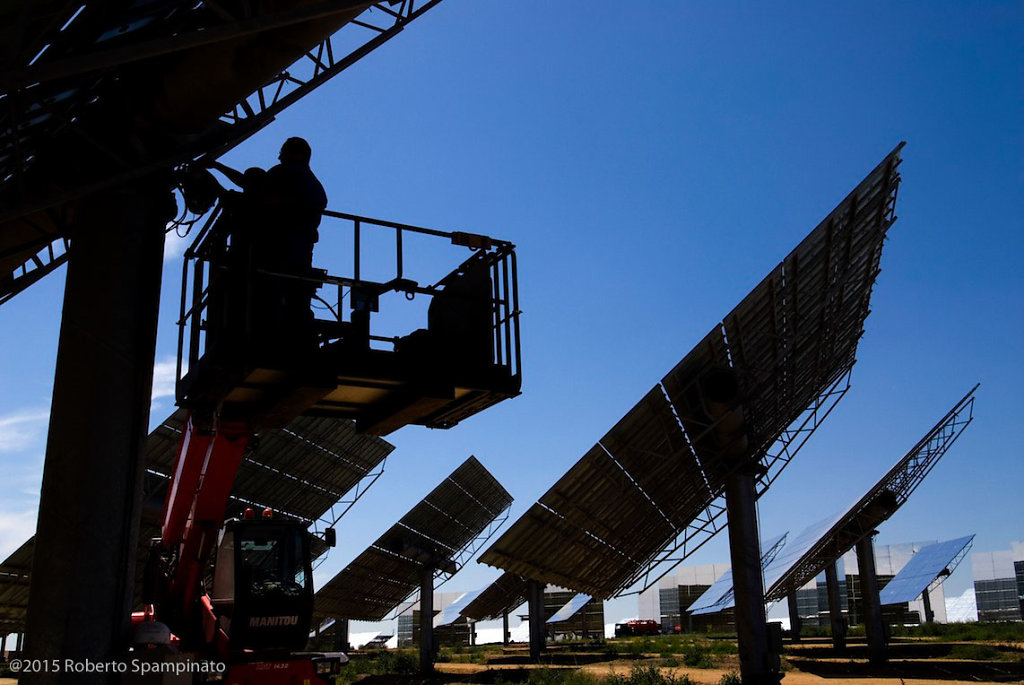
<point x="835" y="608"/>
<point x="3" y="646"/>
<point x="427" y="621"/>
<point x="472" y="633"/>
<point x="18" y="639"/>
<point x="794" y="617"/>
<point x="535" y="601"/>
<point x="83" y="571"/>
<point x="929" y="615"/>
<point x="872" y="606"/>
<point x="341" y="635"/>
<point x="757" y="663"/>
<point x="506" y="636"/>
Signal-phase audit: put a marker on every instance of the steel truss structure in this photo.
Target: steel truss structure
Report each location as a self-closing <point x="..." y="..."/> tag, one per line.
<point x="52" y="84"/>
<point x="712" y="520"/>
<point x="879" y="503"/>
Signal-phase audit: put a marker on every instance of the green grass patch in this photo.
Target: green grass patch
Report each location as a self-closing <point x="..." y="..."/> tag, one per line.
<point x="977" y="652"/>
<point x="965" y="632"/>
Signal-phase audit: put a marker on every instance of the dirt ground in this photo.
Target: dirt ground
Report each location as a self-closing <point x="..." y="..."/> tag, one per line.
<point x="830" y="671"/>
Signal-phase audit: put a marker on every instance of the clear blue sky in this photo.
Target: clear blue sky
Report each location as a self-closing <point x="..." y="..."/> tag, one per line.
<point x="653" y="161"/>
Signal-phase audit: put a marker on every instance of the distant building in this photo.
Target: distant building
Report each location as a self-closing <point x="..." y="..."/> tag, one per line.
<point x="962" y="609"/>
<point x="999" y="583"/>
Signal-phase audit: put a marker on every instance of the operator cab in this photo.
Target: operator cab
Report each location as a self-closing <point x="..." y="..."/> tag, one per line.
<point x="263" y="584"/>
<point x="240" y="353"/>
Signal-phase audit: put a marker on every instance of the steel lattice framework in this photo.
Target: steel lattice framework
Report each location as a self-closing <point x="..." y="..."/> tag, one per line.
<point x="878" y="504"/>
<point x="68" y="58"/>
<point x="441" y="534"/>
<point x="651" y="491"/>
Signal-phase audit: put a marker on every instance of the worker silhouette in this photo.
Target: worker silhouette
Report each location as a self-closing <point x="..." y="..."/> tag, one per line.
<point x="272" y="226"/>
<point x="293" y="201"/>
<point x="234" y="294"/>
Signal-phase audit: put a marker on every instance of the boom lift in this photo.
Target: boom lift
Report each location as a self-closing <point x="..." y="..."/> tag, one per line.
<point x="254" y="608"/>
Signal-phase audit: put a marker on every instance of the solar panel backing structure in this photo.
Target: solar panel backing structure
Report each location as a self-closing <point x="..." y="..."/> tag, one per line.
<point x="198" y="78"/>
<point x="719" y="596"/>
<point x="928" y="568"/>
<point x="312" y="470"/>
<point x="878" y="504"/>
<point x="14" y="581"/>
<point x="503" y="595"/>
<point x="650" y="491"/>
<point x="441" y="532"/>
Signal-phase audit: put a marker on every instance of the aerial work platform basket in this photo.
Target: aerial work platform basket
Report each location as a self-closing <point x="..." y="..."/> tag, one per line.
<point x="250" y="348"/>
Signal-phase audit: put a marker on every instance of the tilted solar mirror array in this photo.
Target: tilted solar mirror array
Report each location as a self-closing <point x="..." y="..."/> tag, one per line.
<point x="571" y="607"/>
<point x="651" y="490"/>
<point x="503" y="595"/>
<point x="312" y="470"/>
<point x="440" y="533"/>
<point x="929" y="567"/>
<point x="826" y="542"/>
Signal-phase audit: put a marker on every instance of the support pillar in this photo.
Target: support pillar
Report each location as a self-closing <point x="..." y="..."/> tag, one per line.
<point x="3" y="646"/>
<point x="99" y="419"/>
<point x="757" y="664"/>
<point x="506" y="636"/>
<point x="835" y="608"/>
<point x="427" y="621"/>
<point x="794" y="618"/>
<point x="929" y="615"/>
<point x="472" y="633"/>
<point x="341" y="635"/>
<point x="872" y="606"/>
<point x="18" y="639"/>
<point x="535" y="601"/>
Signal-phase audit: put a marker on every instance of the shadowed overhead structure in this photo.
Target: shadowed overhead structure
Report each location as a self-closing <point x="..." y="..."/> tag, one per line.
<point x="719" y="596"/>
<point x="98" y="94"/>
<point x="313" y="470"/>
<point x="745" y="397"/>
<point x="929" y="567"/>
<point x="876" y="506"/>
<point x="506" y="593"/>
<point x="438" y="535"/>
<point x="14" y="581"/>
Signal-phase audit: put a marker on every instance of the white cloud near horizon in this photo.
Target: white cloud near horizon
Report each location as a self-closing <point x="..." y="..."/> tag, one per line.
<point x="164" y="377"/>
<point x="15" y="529"/>
<point x="20" y="430"/>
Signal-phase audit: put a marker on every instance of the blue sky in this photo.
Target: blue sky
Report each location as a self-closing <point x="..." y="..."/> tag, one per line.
<point x="653" y="161"/>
